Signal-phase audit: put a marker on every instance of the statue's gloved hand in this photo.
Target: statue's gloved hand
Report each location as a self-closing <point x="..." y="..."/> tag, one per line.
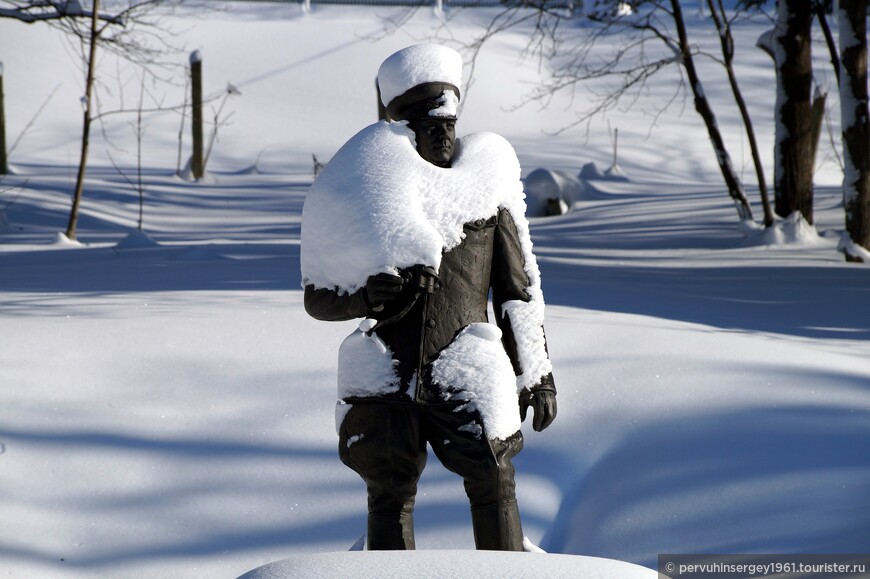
<point x="542" y="399"/>
<point x="382" y="288"/>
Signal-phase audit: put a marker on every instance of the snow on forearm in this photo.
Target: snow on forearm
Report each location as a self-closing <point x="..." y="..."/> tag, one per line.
<point x="527" y="317"/>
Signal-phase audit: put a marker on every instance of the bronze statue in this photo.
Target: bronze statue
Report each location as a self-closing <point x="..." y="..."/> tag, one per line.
<point x="414" y="231"/>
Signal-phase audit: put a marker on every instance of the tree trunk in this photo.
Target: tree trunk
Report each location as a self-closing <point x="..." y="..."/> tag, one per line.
<point x="86" y="125"/>
<point x="702" y="105"/>
<point x="4" y="165"/>
<point x="855" y="121"/>
<point x="789" y="46"/>
<point x="727" y="42"/>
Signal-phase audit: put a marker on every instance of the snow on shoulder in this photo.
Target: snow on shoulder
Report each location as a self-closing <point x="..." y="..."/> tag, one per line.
<point x="379" y="207"/>
<point x="448" y="565"/>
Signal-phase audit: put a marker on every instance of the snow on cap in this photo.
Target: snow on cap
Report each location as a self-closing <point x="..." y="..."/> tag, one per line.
<point x="420" y="64"/>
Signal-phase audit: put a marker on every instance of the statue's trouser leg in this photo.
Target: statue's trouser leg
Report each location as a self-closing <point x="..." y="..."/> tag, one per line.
<point x="459" y="441"/>
<point x="385" y="443"/>
<point x="382" y="443"/>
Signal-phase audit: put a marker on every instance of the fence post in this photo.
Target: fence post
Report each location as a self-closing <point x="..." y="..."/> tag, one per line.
<point x="196" y="164"/>
<point x="4" y="166"/>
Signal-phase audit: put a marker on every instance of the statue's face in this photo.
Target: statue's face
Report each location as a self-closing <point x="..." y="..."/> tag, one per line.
<point x="435" y="139"/>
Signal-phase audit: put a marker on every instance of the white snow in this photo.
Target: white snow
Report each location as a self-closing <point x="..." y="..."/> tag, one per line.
<point x="168" y="411"/>
<point x="792" y="230"/>
<point x="378" y="206"/>
<point x="543" y="185"/>
<point x="448" y="105"/>
<point x="849" y="247"/>
<point x="448" y="565"/>
<point x="477" y="362"/>
<point x="418" y="64"/>
<point x="365" y="365"/>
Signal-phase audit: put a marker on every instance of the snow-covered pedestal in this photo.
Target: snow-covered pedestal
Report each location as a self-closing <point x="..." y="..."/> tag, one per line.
<point x="436" y="564"/>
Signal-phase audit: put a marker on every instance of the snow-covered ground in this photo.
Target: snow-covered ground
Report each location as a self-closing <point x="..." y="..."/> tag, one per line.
<point x="167" y="405"/>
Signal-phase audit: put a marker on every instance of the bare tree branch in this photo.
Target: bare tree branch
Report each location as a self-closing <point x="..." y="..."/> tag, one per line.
<point x="46" y="10"/>
<point x="642" y="39"/>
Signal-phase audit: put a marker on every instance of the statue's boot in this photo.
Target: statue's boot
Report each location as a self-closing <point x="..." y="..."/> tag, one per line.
<point x="390" y="531"/>
<point x="497" y="527"/>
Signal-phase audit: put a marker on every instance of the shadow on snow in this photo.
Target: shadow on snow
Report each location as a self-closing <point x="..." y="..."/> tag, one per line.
<point x="765" y="480"/>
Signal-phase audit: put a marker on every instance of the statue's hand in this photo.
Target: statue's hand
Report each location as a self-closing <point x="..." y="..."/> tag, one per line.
<point x="382" y="288"/>
<point x="542" y="399"/>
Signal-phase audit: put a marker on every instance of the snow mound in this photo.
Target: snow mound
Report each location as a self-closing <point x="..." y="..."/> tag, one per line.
<point x="554" y="192"/>
<point x="186" y="174"/>
<point x="543" y="187"/>
<point x="590" y="171"/>
<point x="852" y="249"/>
<point x="136" y="240"/>
<point x="61" y="240"/>
<point x="793" y="230"/>
<point x="448" y="564"/>
<point x="615" y="173"/>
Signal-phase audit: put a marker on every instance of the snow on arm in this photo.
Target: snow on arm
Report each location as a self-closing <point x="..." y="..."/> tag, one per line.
<point x="527" y="317"/>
